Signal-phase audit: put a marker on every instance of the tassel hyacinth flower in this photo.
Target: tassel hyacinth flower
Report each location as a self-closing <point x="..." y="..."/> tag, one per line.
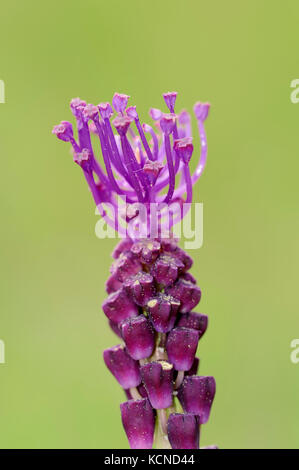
<point x="142" y="186"/>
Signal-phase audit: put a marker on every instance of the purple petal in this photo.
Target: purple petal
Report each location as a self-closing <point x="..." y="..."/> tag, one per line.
<point x="183" y="431"/>
<point x="163" y="310"/>
<point x="139" y="423"/>
<point x="118" y="307"/>
<point x="158" y="381"/>
<point x="139" y="337"/>
<point x="196" y="395"/>
<point x="196" y="321"/>
<point x="181" y="347"/>
<point x="122" y="366"/>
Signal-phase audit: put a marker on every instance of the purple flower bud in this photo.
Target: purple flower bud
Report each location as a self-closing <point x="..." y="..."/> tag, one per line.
<point x="77" y="105"/>
<point x="105" y="110"/>
<point x="118" y="307"/>
<point x="158" y="381"/>
<point x="163" y="310"/>
<point x="146" y="250"/>
<point x="131" y="112"/>
<point x="122" y="366"/>
<point x="155" y="114"/>
<point x="180" y="254"/>
<point x="188" y="293"/>
<point x="115" y="328"/>
<point x="184" y="117"/>
<point x="181" y="347"/>
<point x="167" y="123"/>
<point x="184" y="148"/>
<point x="84" y="159"/>
<point x="201" y="111"/>
<point x="183" y="431"/>
<point x="139" y="336"/>
<point x="152" y="169"/>
<point x="194" y="367"/>
<point x="170" y="99"/>
<point x="166" y="269"/>
<point x="113" y="284"/>
<point x="90" y="112"/>
<point x="188" y="277"/>
<point x="197" y="321"/>
<point x="140" y="287"/>
<point x="119" y="102"/>
<point x="196" y="395"/>
<point x="125" y="266"/>
<point x="64" y="131"/>
<point x="139" y="423"/>
<point x="122" y="124"/>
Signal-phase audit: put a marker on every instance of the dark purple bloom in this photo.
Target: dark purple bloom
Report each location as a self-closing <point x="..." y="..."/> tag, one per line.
<point x="121" y="247"/>
<point x="124" y="266"/>
<point x="139" y="337"/>
<point x="139" y="423"/>
<point x="163" y="310"/>
<point x="146" y="250"/>
<point x="188" y="293"/>
<point x="158" y="380"/>
<point x="166" y="269"/>
<point x="183" y="431"/>
<point x="184" y="148"/>
<point x="140" y="287"/>
<point x="122" y="366"/>
<point x="194" y="367"/>
<point x="118" y="307"/>
<point x="197" y="321"/>
<point x="181" y="347"/>
<point x="196" y="395"/>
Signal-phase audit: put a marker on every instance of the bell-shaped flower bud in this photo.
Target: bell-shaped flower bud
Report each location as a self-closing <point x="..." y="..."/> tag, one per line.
<point x="188" y="293"/>
<point x="140" y="287"/>
<point x="64" y="131"/>
<point x="184" y="148"/>
<point x="119" y="102"/>
<point x="201" y="111"/>
<point x="196" y="395"/>
<point x="167" y="123"/>
<point x="196" y="321"/>
<point x="183" y="431"/>
<point x="166" y="269"/>
<point x="118" y="306"/>
<point x="139" y="336"/>
<point x="163" y="310"/>
<point x="105" y="110"/>
<point x="124" y="368"/>
<point x="170" y="99"/>
<point x="139" y="423"/>
<point x="158" y="381"/>
<point x="146" y="250"/>
<point x="124" y="266"/>
<point x="181" y="347"/>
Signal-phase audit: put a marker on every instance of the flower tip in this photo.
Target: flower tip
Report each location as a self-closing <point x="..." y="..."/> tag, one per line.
<point x="105" y="110"/>
<point x="155" y="114"/>
<point x="170" y="99"/>
<point x="121" y="124"/>
<point x="131" y="112"/>
<point x="64" y="131"/>
<point x="83" y="159"/>
<point x="119" y="102"/>
<point x="167" y="123"/>
<point x="201" y="110"/>
<point x="184" y="148"/>
<point x="90" y="112"/>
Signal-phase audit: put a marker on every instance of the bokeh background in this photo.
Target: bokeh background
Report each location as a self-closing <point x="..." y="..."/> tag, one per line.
<point x="240" y="56"/>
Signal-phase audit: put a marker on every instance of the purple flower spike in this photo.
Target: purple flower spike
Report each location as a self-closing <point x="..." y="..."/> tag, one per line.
<point x="166" y="269"/>
<point x="139" y="423"/>
<point x="170" y="99"/>
<point x="118" y="307"/>
<point x="119" y="102"/>
<point x="106" y="110"/>
<point x="163" y="310"/>
<point x="184" y="148"/>
<point x="197" y="321"/>
<point x="167" y="123"/>
<point x="183" y="431"/>
<point x="188" y="293"/>
<point x="64" y="131"/>
<point x="125" y="266"/>
<point x="122" y="366"/>
<point x="158" y="381"/>
<point x="139" y="336"/>
<point x="181" y="347"/>
<point x="196" y="395"/>
<point x="201" y="111"/>
<point x="140" y="287"/>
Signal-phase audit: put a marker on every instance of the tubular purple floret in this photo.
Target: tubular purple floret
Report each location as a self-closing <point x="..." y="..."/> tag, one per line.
<point x="201" y="110"/>
<point x="170" y="99"/>
<point x="155" y="114"/>
<point x="119" y="102"/>
<point x="184" y="148"/>
<point x="105" y="110"/>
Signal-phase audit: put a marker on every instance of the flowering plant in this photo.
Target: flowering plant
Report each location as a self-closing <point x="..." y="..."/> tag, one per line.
<point x="151" y="294"/>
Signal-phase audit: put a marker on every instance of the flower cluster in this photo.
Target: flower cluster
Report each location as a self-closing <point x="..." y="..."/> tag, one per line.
<point x="151" y="294"/>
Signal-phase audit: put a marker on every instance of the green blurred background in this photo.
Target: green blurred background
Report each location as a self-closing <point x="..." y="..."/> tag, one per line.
<point x="240" y="56"/>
